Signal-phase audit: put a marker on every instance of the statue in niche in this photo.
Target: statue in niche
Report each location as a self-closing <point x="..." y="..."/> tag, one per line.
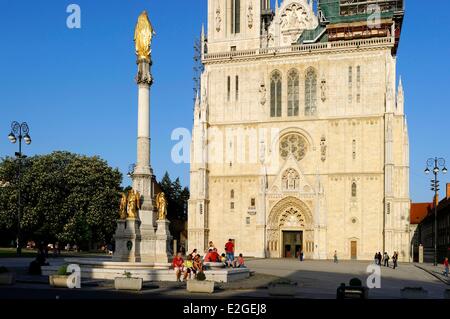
<point x="323" y="90"/>
<point x="262" y="93"/>
<point x="250" y="16"/>
<point x="218" y="19"/>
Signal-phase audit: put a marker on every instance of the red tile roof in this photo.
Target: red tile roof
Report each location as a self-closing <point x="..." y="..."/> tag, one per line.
<point x="419" y="211"/>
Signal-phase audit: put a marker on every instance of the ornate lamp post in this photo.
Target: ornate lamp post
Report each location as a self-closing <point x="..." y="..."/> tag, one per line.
<point x="19" y="132"/>
<point x="437" y="165"/>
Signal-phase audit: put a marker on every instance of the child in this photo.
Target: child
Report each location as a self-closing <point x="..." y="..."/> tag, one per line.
<point x="241" y="262"/>
<point x="188" y="267"/>
<point x="223" y="259"/>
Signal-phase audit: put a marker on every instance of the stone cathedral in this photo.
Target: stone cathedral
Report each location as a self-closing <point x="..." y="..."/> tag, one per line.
<point x="300" y="141"/>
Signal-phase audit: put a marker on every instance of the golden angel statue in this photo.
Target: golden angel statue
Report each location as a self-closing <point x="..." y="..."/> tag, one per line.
<point x="161" y="205"/>
<point x="143" y="36"/>
<point x="134" y="204"/>
<point x="123" y="206"/>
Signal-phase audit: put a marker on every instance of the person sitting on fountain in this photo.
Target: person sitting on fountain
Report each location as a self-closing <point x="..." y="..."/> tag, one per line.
<point x="212" y="256"/>
<point x="188" y="267"/>
<point x="197" y="265"/>
<point x="177" y="264"/>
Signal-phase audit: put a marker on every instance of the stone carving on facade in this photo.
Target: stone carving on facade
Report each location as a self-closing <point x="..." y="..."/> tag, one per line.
<point x="295" y="145"/>
<point x="262" y="94"/>
<point x="218" y="19"/>
<point x="290" y="180"/>
<point x="293" y="18"/>
<point x="323" y="149"/>
<point x="323" y="90"/>
<point x="250" y="16"/>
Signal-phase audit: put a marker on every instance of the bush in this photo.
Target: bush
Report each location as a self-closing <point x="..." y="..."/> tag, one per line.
<point x="62" y="271"/>
<point x="3" y="270"/>
<point x="355" y="282"/>
<point x="201" y="276"/>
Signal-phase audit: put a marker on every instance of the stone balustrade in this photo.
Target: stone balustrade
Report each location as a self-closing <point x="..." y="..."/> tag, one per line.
<point x="299" y="49"/>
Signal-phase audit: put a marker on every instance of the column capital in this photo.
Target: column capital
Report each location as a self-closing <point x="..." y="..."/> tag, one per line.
<point x="144" y="75"/>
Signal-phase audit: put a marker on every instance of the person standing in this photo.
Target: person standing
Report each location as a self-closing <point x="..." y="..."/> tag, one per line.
<point x="376" y="259"/>
<point x="379" y="258"/>
<point x="446" y="267"/>
<point x="335" y="257"/>
<point x="394" y="259"/>
<point x="229" y="251"/>
<point x="386" y="259"/>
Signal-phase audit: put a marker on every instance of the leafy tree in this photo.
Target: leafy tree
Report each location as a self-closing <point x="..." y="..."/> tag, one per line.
<point x="65" y="197"/>
<point x="176" y="196"/>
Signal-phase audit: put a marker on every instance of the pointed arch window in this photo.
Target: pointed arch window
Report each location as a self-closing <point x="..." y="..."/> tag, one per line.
<point x="236" y="16"/>
<point x="293" y="93"/>
<point x="354" y="190"/>
<point x="275" y="94"/>
<point x="311" y="92"/>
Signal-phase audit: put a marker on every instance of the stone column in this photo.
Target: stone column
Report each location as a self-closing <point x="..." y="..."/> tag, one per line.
<point x="143" y="173"/>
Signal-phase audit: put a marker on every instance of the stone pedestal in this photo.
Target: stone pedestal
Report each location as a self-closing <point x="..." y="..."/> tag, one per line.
<point x="128" y="241"/>
<point x="163" y="240"/>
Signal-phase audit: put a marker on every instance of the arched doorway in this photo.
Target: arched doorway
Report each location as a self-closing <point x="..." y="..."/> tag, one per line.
<point x="290" y="229"/>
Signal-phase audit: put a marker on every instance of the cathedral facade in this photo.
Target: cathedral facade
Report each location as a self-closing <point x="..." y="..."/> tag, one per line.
<point x="300" y="141"/>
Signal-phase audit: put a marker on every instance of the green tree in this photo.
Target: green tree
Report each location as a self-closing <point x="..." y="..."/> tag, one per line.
<point x="65" y="197"/>
<point x="176" y="196"/>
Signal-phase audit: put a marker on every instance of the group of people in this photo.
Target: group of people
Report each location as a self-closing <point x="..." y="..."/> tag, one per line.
<point x="384" y="259"/>
<point x="195" y="264"/>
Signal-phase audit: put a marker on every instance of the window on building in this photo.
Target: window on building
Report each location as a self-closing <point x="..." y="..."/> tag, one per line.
<point x="354" y="149"/>
<point x="293" y="93"/>
<point x="232" y="194"/>
<point x="358" y="75"/>
<point x="236" y="16"/>
<point x="354" y="190"/>
<point x="253" y="202"/>
<point x="350" y="84"/>
<point x="232" y="205"/>
<point x="358" y="84"/>
<point x="275" y="94"/>
<point x="237" y="87"/>
<point x="310" y="92"/>
<point x="233" y="48"/>
<point x="228" y="88"/>
<point x="247" y="220"/>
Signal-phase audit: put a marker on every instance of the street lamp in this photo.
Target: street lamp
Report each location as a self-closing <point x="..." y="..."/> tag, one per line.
<point x="131" y="169"/>
<point x="438" y="165"/>
<point x="19" y="132"/>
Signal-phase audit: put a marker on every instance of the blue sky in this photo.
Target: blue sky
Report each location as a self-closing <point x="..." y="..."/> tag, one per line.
<point x="76" y="88"/>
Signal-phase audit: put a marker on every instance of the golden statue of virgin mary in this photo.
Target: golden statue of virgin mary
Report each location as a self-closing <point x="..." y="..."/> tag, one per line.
<point x="143" y="36"/>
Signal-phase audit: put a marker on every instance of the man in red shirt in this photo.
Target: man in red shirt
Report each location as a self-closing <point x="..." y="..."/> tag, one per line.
<point x="177" y="264"/>
<point x="229" y="250"/>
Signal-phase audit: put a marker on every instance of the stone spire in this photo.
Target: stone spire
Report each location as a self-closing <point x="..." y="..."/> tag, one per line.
<point x="400" y="97"/>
